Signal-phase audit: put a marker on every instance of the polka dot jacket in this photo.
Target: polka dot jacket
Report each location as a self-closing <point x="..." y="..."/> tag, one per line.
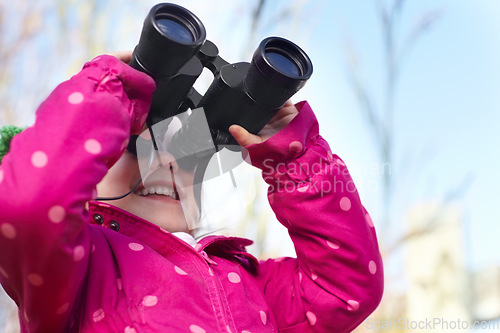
<point x="75" y="266"/>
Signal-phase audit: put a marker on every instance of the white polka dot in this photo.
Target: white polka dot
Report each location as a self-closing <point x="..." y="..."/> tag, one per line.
<point x="1" y="176"/>
<point x="352" y="305"/>
<point x="78" y="253"/>
<point x="179" y="271"/>
<point x="329" y="156"/>
<point x="372" y="267"/>
<point x="129" y="329"/>
<point x="369" y="220"/>
<point x="234" y="277"/>
<point x="295" y="147"/>
<point x="196" y="329"/>
<point x="93" y="146"/>
<point x="63" y="308"/>
<point x="75" y="98"/>
<point x="39" y="159"/>
<point x="98" y="315"/>
<point x="311" y="318"/>
<point x="136" y="247"/>
<point x="119" y="284"/>
<point x="263" y="317"/>
<point x="150" y="300"/>
<point x="302" y="188"/>
<point x="57" y="214"/>
<point x="4" y="273"/>
<point x="333" y="244"/>
<point x="8" y="231"/>
<point x="345" y="204"/>
<point x="35" y="279"/>
<point x="314" y="276"/>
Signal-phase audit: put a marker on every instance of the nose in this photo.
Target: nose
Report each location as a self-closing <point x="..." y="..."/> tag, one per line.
<point x="163" y="159"/>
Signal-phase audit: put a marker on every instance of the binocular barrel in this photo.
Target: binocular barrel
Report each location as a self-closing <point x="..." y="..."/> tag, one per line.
<point x="173" y="50"/>
<point x="170" y="39"/>
<point x="250" y="94"/>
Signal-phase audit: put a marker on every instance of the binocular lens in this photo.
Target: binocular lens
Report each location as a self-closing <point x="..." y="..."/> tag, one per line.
<point x="283" y="62"/>
<point x="175" y="30"/>
<point x="179" y="25"/>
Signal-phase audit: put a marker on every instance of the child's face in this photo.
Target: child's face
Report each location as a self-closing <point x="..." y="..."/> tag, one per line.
<point x="164" y="208"/>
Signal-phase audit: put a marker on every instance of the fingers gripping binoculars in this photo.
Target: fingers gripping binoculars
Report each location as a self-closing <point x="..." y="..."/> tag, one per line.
<point x="173" y="50"/>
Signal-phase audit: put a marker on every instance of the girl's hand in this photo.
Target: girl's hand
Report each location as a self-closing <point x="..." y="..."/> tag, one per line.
<point x="278" y="122"/>
<point x="124" y="56"/>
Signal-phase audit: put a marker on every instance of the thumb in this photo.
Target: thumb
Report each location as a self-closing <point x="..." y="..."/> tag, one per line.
<point x="242" y="136"/>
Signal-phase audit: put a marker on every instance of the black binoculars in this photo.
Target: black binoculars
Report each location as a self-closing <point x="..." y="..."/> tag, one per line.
<point x="173" y="50"/>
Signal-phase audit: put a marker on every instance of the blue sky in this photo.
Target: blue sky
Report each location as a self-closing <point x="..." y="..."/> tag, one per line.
<point x="447" y="107"/>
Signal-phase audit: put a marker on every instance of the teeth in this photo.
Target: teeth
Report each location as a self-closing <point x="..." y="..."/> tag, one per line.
<point x="159" y="190"/>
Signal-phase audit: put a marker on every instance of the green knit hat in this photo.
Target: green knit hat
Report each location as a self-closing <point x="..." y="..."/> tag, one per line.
<point x="6" y="135"/>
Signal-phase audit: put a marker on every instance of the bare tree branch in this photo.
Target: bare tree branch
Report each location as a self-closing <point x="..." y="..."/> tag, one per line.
<point x="381" y="121"/>
<point x="424" y="24"/>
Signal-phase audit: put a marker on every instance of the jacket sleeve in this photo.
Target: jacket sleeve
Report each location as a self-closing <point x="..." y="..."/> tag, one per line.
<point x="48" y="176"/>
<point x="336" y="281"/>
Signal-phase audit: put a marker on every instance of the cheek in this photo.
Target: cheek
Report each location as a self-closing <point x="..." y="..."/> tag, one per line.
<point x="184" y="182"/>
<point x="120" y="177"/>
<point x="185" y="177"/>
<point x="124" y="170"/>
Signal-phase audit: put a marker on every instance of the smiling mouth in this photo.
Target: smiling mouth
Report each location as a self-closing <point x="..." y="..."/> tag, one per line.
<point x="158" y="190"/>
<point x="158" y="185"/>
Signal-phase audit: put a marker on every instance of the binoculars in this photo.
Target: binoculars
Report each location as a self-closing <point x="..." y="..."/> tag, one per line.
<point x="173" y="50"/>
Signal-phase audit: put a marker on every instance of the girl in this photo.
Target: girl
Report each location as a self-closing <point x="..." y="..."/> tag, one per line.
<point x="74" y="264"/>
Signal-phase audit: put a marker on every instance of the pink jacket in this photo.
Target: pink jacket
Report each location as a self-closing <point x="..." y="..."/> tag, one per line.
<point x="76" y="268"/>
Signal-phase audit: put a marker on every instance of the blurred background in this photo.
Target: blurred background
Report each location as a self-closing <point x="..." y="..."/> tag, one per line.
<point x="407" y="92"/>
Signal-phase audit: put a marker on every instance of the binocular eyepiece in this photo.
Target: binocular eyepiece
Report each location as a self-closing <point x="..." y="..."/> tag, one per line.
<point x="173" y="50"/>
<point x="171" y="36"/>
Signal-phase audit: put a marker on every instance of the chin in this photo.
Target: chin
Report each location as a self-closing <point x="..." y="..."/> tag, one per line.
<point x="171" y="225"/>
<point x="165" y="219"/>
